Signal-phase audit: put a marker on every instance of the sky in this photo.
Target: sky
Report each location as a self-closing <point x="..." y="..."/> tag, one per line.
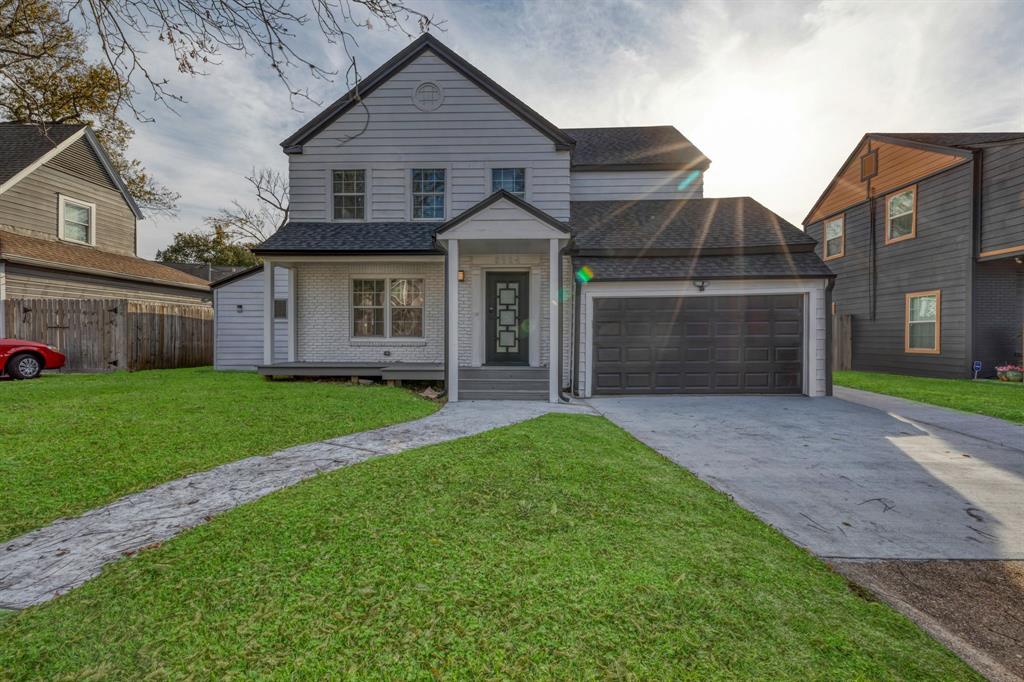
<point x="776" y="94"/>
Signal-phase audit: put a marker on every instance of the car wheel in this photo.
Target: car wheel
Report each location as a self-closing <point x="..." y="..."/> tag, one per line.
<point x="24" y="366"/>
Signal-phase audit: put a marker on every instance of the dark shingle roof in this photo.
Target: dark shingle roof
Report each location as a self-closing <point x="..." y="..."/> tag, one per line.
<point x="637" y="147"/>
<point x="681" y="226"/>
<point x="748" y="266"/>
<point x="21" y="144"/>
<point x="960" y="140"/>
<point x="352" y="238"/>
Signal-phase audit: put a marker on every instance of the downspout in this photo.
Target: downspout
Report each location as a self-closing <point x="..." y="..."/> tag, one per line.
<point x="975" y="248"/>
<point x="830" y="319"/>
<point x="577" y="307"/>
<point x="561" y="339"/>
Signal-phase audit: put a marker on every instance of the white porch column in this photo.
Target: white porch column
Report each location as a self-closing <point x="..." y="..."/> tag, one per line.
<point x="293" y="321"/>
<point x="3" y="300"/>
<point x="452" y="286"/>
<point x="268" y="312"/>
<point x="555" y="346"/>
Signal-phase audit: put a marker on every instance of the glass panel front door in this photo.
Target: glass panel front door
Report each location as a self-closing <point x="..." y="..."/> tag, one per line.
<point x="508" y="318"/>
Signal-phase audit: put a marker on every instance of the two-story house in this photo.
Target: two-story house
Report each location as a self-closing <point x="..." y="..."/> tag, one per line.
<point x="441" y="228"/>
<point x="925" y="232"/>
<point x="68" y="225"/>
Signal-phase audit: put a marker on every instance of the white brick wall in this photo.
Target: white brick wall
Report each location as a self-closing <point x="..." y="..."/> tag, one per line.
<point x="324" y="314"/>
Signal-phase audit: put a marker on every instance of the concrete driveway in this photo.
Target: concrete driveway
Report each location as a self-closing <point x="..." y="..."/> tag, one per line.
<point x="842" y="479"/>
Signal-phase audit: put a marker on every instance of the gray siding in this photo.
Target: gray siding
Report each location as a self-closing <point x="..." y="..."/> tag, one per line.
<point x="30" y="206"/>
<point x="468" y="135"/>
<point x="1002" y="212"/>
<point x="938" y="258"/>
<point x="625" y="185"/>
<point x="998" y="313"/>
<point x="238" y="339"/>
<point x="30" y="282"/>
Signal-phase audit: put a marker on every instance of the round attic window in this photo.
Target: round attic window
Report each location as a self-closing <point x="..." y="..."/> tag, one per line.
<point x="428" y="96"/>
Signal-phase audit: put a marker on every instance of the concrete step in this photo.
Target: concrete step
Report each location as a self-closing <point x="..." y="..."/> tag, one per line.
<point x="502" y="395"/>
<point x="540" y="385"/>
<point x="499" y="373"/>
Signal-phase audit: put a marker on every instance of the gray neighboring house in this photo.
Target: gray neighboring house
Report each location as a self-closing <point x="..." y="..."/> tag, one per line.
<point x="68" y="225"/>
<point x="925" y="232"/>
<point x="442" y="229"/>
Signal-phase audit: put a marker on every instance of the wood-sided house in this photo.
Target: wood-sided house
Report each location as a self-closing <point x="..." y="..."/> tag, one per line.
<point x="925" y="232"/>
<point x="68" y="225"/>
<point x="441" y="228"/>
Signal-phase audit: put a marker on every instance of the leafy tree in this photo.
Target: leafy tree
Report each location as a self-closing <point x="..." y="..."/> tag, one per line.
<point x="214" y="247"/>
<point x="45" y="78"/>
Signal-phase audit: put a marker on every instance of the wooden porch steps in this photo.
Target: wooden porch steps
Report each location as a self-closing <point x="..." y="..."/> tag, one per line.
<point x="503" y="383"/>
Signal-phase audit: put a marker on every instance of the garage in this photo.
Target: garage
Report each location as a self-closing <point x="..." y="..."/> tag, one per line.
<point x="698" y="344"/>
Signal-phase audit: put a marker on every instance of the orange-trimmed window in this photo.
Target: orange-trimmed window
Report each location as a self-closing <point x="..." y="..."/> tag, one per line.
<point x="922" y="328"/>
<point x="901" y="215"/>
<point x="835" y="237"/>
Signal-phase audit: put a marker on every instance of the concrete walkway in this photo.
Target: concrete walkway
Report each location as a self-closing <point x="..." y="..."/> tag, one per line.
<point x="45" y="563"/>
<point x="978" y="426"/>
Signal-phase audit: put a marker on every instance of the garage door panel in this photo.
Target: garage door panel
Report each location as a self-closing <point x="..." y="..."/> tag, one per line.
<point x="710" y="344"/>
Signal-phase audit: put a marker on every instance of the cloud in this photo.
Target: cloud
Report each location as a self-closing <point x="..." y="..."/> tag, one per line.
<point x="777" y="94"/>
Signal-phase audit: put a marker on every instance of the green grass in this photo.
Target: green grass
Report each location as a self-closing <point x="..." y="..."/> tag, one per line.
<point x="69" y="443"/>
<point x="557" y="549"/>
<point x="1000" y="399"/>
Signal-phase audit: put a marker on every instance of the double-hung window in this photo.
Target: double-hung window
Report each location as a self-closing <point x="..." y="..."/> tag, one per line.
<point x="349" y="191"/>
<point x="922" y="333"/>
<point x="835" y="237"/>
<point x="512" y="180"/>
<point x="77" y="221"/>
<point x="387" y="308"/>
<point x="900" y="215"/>
<point x="428" y="188"/>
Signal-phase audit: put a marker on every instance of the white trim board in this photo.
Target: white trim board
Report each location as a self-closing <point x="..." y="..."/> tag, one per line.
<point x="814" y="299"/>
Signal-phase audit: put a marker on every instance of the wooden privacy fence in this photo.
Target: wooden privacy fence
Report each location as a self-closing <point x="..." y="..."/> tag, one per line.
<point x="842" y="342"/>
<point x="100" y="335"/>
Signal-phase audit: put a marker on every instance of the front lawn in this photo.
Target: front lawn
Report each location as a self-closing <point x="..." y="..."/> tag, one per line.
<point x="72" y="442"/>
<point x="1000" y="399"/>
<point x="560" y="548"/>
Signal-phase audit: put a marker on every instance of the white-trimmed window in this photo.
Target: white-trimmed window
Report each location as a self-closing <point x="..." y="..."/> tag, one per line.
<point x="77" y="220"/>
<point x="512" y="180"/>
<point x="387" y="308"/>
<point x="923" y="322"/>
<point x="428" y="189"/>
<point x="901" y="215"/>
<point x="349" y="191"/>
<point x="835" y="237"/>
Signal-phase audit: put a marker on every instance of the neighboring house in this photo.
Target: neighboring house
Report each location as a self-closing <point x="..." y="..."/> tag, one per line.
<point x="68" y="226"/>
<point x="442" y="229"/>
<point x="925" y="232"/>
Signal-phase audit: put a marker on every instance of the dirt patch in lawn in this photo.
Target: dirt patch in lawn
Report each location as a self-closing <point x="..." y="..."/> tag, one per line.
<point x="974" y="607"/>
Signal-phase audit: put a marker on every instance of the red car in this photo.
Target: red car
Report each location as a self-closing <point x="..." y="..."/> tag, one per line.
<point x="27" y="359"/>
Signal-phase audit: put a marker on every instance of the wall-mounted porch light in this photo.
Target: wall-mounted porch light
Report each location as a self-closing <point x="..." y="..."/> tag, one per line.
<point x="700" y="284"/>
<point x="462" y="275"/>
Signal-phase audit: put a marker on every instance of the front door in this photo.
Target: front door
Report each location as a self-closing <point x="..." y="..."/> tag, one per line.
<point x="508" y="318"/>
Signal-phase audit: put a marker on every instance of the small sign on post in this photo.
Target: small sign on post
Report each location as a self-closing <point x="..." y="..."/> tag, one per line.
<point x="977" y="368"/>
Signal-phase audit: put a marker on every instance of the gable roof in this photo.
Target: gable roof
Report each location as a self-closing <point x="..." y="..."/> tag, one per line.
<point x="512" y="199"/>
<point x="425" y="42"/>
<point x="682" y="227"/>
<point x="24" y="147"/>
<point x="352" y="238"/>
<point x="634" y="148"/>
<point x="50" y="253"/>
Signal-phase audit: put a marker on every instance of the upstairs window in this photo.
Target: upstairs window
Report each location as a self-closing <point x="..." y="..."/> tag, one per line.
<point x="923" y="314"/>
<point x="835" y="237"/>
<point x="349" y="194"/>
<point x="428" y="187"/>
<point x="387" y="308"/>
<point x="512" y="180"/>
<point x="77" y="221"/>
<point x="900" y="215"/>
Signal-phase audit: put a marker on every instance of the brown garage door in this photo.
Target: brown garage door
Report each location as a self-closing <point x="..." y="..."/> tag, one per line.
<point x="707" y="344"/>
